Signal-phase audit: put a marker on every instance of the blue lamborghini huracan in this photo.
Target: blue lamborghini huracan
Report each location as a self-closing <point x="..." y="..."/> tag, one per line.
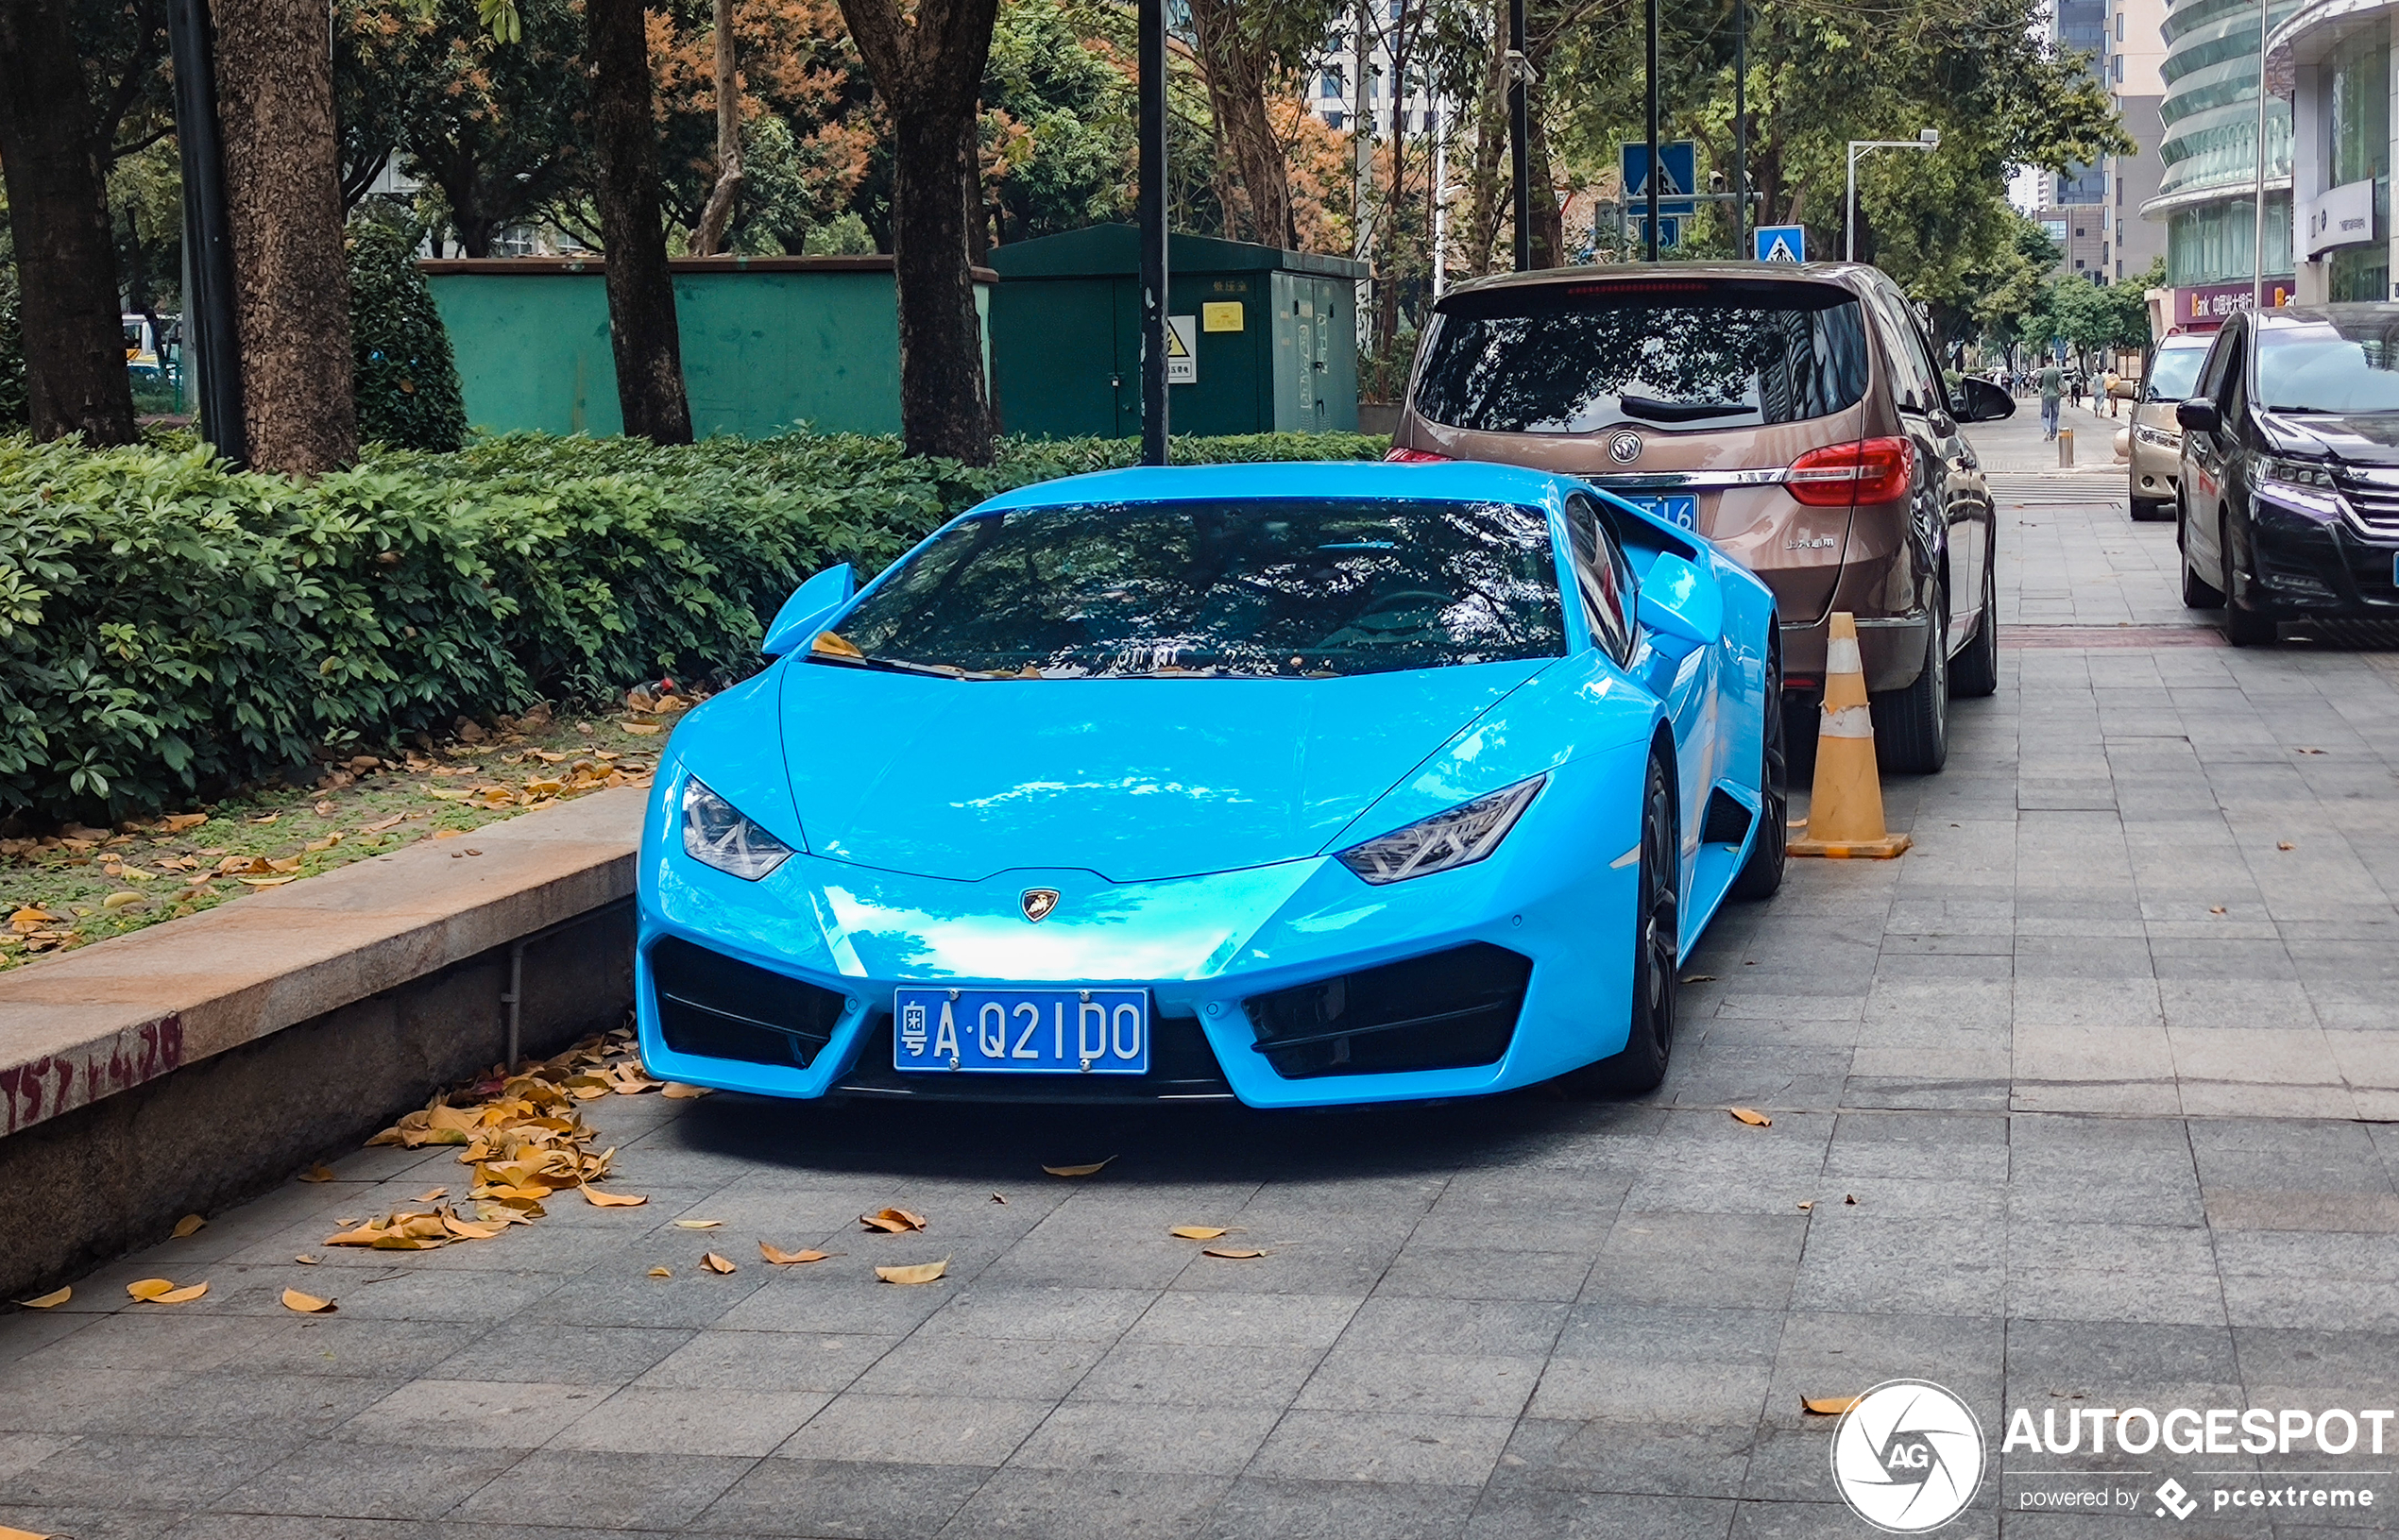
<point x="1297" y="784"/>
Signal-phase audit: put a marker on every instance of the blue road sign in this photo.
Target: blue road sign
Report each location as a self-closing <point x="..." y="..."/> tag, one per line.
<point x="1680" y="162"/>
<point x="1782" y="242"/>
<point x="1670" y="231"/>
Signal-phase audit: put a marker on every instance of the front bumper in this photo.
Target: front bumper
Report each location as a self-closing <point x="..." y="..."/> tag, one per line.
<point x="2301" y="567"/>
<point x="2154" y="470"/>
<point x="1209" y="949"/>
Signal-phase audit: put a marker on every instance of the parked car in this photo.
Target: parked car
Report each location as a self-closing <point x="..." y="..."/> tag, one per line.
<point x="1300" y="785"/>
<point x="2288" y="495"/>
<point x="2153" y="442"/>
<point x="1795" y="415"/>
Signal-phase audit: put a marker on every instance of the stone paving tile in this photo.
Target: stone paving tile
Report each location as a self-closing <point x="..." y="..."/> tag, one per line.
<point x="2105" y="1144"/>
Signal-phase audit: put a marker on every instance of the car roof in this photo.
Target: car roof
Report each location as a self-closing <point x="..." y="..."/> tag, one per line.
<point x="1455" y="480"/>
<point x="1849" y="275"/>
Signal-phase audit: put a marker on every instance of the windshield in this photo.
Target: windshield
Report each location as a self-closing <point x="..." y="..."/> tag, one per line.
<point x="1677" y="353"/>
<point x="2345" y="365"/>
<point x="2174" y="371"/>
<point x="1294" y="589"/>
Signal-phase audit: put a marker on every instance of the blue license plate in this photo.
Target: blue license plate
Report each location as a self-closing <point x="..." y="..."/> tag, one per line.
<point x="1022" y="1031"/>
<point x="1680" y="508"/>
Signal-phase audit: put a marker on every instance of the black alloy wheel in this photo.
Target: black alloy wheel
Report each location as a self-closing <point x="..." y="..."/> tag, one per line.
<point x="2243" y="626"/>
<point x="2197" y="593"/>
<point x="1975" y="673"/>
<point x="1912" y="726"/>
<point x="1761" y="875"/>
<point x="1657" y="950"/>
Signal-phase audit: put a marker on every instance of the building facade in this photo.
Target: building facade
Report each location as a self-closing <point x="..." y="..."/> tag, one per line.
<point x="2333" y="59"/>
<point x="2092" y="212"/>
<point x="2208" y="183"/>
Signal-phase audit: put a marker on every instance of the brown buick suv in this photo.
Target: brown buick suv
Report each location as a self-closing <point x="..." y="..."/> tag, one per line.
<point x="1795" y="415"/>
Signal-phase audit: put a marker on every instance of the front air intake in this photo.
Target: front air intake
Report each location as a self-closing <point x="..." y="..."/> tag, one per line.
<point x="712" y="1007"/>
<point x="1449" y="1011"/>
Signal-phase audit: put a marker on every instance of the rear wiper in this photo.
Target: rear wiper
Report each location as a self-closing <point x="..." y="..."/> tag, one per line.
<point x="1657" y="411"/>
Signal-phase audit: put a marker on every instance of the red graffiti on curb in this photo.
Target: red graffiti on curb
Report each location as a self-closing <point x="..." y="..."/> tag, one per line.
<point x="44" y="1088"/>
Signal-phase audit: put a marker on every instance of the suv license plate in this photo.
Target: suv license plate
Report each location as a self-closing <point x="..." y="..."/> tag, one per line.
<point x="1022" y="1031"/>
<point x="1680" y="509"/>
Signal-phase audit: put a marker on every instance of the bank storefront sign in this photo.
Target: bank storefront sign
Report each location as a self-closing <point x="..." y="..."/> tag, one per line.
<point x="1908" y="1457"/>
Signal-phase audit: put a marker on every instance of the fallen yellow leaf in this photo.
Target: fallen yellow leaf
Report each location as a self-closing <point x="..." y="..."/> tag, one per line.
<point x="7" y="1533"/>
<point x="49" y="1301"/>
<point x="678" y="1091"/>
<point x="1828" y="1406"/>
<point x="715" y="1263"/>
<point x="326" y="843"/>
<point x="640" y="729"/>
<point x="317" y="1174"/>
<point x="121" y="901"/>
<point x="188" y="1225"/>
<point x="1751" y="1116"/>
<point x="698" y="1223"/>
<point x="305" y="1260"/>
<point x="1197" y="1232"/>
<point x="2285" y="844"/>
<point x="182" y="1296"/>
<point x="611" y="1200"/>
<point x="431" y="1194"/>
<point x="919" y="1273"/>
<point x="307" y="1304"/>
<point x="784" y="1258"/>
<point x="1091" y="1170"/>
<point x="149" y="1288"/>
<point x="1806" y="1206"/>
<point x="660" y="1273"/>
<point x="268" y="882"/>
<point x="178" y="823"/>
<point x="1238" y="1254"/>
<point x="893" y="1221"/>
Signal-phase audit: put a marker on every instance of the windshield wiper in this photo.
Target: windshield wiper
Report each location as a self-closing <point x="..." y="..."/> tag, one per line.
<point x="1657" y="411"/>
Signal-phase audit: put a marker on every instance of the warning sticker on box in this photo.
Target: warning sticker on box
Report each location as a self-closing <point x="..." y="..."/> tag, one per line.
<point x="1183" y="350"/>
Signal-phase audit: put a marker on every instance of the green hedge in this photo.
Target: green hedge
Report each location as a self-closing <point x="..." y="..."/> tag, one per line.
<point x="169" y="627"/>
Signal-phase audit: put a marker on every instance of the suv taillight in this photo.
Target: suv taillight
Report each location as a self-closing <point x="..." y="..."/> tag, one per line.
<point x="1842" y="475"/>
<point x="1414" y="457"/>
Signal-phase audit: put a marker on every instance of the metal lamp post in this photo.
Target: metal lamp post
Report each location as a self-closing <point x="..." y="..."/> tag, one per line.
<point x="1926" y="138"/>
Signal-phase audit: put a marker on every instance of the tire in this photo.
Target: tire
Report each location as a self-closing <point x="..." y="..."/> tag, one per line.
<point x="2243" y="626"/>
<point x="1761" y="875"/>
<point x="1912" y="726"/>
<point x="1975" y="673"/>
<point x="2197" y="593"/>
<point x="2152" y="510"/>
<point x="1656" y="941"/>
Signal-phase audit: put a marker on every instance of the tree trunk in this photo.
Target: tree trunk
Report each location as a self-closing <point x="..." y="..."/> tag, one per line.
<point x="1239" y="74"/>
<point x="291" y="275"/>
<point x="710" y="237"/>
<point x="930" y="70"/>
<point x="641" y="319"/>
<point x="58" y="209"/>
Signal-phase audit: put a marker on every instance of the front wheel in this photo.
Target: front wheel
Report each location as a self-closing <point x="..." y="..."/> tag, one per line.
<point x="1976" y="671"/>
<point x="1761" y="875"/>
<point x="2243" y="626"/>
<point x="1649" y="1036"/>
<point x="1912" y="726"/>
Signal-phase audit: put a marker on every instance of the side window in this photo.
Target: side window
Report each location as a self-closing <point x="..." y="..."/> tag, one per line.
<point x="1605" y="578"/>
<point x="2211" y="372"/>
<point x="2228" y="392"/>
<point x="1911" y="385"/>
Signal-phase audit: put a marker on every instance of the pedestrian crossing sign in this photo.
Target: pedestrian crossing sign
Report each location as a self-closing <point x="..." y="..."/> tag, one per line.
<point x="1782" y="242"/>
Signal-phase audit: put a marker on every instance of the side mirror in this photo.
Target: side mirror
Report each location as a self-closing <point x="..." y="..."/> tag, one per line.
<point x="1681" y="606"/>
<point x="1979" y="400"/>
<point x="2198" y="417"/>
<point x="811" y="604"/>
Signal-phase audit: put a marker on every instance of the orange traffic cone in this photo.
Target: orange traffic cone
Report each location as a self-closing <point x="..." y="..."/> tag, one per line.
<point x="1845" y="816"/>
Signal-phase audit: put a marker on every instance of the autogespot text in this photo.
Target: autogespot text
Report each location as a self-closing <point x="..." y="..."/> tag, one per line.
<point x="2189" y="1431"/>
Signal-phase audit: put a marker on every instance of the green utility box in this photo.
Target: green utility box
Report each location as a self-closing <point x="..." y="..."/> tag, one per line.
<point x="767" y="342"/>
<point x="1262" y="340"/>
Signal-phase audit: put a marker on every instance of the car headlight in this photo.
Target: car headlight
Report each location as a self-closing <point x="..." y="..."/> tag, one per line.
<point x="2165" y="438"/>
<point x="715" y="834"/>
<point x="2305" y="486"/>
<point x="1457" y="837"/>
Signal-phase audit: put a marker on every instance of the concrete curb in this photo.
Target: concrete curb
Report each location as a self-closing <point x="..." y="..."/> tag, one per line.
<point x="193" y="1065"/>
<point x="78" y="1028"/>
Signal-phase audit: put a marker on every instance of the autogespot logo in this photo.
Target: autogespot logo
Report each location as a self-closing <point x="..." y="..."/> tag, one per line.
<point x="1907" y="1456"/>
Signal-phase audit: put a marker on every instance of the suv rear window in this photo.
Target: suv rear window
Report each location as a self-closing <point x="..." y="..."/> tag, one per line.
<point x="1574" y="358"/>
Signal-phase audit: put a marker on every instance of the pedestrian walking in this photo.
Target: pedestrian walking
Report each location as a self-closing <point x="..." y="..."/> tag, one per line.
<point x="2052" y="391"/>
<point x="2109" y="382"/>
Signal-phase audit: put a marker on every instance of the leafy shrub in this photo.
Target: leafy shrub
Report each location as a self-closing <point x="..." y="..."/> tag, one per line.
<point x="169" y="626"/>
<point x="404" y="377"/>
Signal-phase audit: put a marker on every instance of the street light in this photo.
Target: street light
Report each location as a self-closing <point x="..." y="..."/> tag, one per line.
<point x="1924" y="138"/>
